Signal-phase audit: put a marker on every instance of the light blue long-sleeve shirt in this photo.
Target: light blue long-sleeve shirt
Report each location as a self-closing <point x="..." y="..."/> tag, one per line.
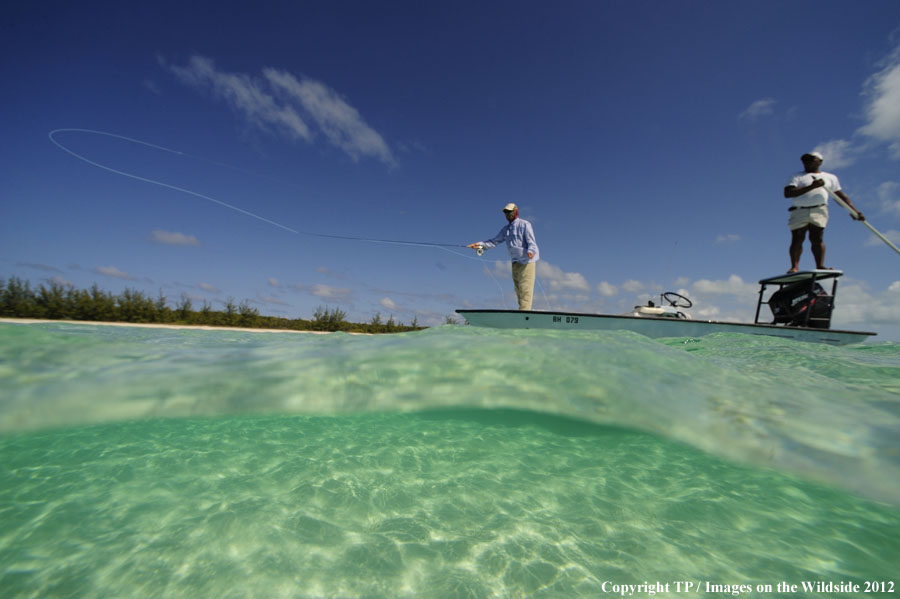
<point x="519" y="238"/>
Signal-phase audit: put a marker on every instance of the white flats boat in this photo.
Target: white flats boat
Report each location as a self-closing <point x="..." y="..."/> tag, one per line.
<point x="801" y="309"/>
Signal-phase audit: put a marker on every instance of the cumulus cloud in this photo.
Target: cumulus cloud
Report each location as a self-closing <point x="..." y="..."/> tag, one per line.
<point x="389" y="304"/>
<point x="58" y="280"/>
<point x="859" y="307"/>
<point x="328" y="292"/>
<point x="892" y="234"/>
<point x="838" y="153"/>
<point x="632" y="286"/>
<point x="734" y="285"/>
<point x="559" y="280"/>
<point x="606" y="289"/>
<point x="282" y="103"/>
<point x="498" y="268"/>
<point x="881" y="107"/>
<point x="112" y="271"/>
<point x="167" y="238"/>
<point x="758" y="109"/>
<point x="882" y="93"/>
<point x="889" y="196"/>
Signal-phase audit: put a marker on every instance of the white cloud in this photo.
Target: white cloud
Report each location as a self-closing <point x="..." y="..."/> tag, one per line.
<point x="882" y="92"/>
<point x="892" y="234"/>
<point x="837" y="153"/>
<point x="734" y="285"/>
<point x="277" y="100"/>
<point x="560" y="280"/>
<point x="58" y="280"/>
<point x="389" y="304"/>
<point x="606" y="290"/>
<point x="209" y="288"/>
<point x="340" y="122"/>
<point x="112" y="271"/>
<point x="329" y="292"/>
<point x="273" y="282"/>
<point x="245" y="95"/>
<point x="727" y="238"/>
<point x="889" y="194"/>
<point x="270" y="300"/>
<point x="758" y="109"/>
<point x="498" y="268"/>
<point x="632" y="286"/>
<point x="856" y="306"/>
<point x="167" y="238"/>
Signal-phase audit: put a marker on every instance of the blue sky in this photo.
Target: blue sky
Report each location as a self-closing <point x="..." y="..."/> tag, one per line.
<point x="648" y="143"/>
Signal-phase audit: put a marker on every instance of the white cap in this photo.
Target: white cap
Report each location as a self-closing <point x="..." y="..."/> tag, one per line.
<point x="510" y="207"/>
<point x="814" y="155"/>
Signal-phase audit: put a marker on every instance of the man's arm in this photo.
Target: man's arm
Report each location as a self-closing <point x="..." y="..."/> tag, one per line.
<point x="493" y="241"/>
<point x="792" y="191"/>
<point x="846" y="198"/>
<point x="530" y="242"/>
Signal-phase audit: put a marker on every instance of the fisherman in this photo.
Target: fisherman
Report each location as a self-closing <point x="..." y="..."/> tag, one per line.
<point x="523" y="251"/>
<point x="809" y="208"/>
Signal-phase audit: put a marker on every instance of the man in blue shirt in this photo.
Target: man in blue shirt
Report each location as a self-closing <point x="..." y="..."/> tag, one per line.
<point x="523" y="251"/>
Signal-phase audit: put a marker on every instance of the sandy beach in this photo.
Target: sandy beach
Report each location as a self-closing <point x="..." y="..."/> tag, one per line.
<point x="159" y="326"/>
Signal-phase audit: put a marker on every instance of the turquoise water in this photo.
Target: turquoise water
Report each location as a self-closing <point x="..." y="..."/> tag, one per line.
<point x="452" y="462"/>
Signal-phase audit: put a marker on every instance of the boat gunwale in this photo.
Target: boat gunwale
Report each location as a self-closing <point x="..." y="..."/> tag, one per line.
<point x="463" y="311"/>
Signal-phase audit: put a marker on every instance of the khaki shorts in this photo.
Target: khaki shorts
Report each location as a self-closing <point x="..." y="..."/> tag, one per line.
<point x="816" y="216"/>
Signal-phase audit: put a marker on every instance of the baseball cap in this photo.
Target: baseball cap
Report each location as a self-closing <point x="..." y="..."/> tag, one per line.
<point x="509" y="207"/>
<point x="813" y="154"/>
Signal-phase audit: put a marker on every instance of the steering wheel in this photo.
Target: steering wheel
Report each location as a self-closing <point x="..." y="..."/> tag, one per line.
<point x="674" y="299"/>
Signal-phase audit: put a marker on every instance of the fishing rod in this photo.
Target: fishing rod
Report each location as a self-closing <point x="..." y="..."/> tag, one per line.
<point x="855" y="215"/>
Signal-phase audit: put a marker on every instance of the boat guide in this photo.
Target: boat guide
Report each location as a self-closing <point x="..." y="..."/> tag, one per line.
<point x="800" y="307"/>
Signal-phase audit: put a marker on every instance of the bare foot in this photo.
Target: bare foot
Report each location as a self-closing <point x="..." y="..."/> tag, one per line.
<point x="795" y="269"/>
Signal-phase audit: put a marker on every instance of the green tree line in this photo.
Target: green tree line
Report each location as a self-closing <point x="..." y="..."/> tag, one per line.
<point x="55" y="301"/>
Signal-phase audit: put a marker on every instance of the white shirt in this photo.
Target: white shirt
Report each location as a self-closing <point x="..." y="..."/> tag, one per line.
<point x="816" y="197"/>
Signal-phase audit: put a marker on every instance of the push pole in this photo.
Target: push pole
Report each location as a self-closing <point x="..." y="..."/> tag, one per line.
<point x="855" y="214"/>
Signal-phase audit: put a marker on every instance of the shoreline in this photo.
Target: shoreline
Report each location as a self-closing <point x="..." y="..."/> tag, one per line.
<point x="159" y="325"/>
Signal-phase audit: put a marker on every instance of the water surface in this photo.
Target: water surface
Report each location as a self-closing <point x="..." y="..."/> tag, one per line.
<point x="452" y="462"/>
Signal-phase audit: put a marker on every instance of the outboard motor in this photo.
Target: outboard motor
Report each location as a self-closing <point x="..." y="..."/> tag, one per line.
<point x="800" y="305"/>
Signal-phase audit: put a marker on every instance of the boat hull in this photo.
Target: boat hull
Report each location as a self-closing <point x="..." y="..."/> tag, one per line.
<point x="650" y="326"/>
